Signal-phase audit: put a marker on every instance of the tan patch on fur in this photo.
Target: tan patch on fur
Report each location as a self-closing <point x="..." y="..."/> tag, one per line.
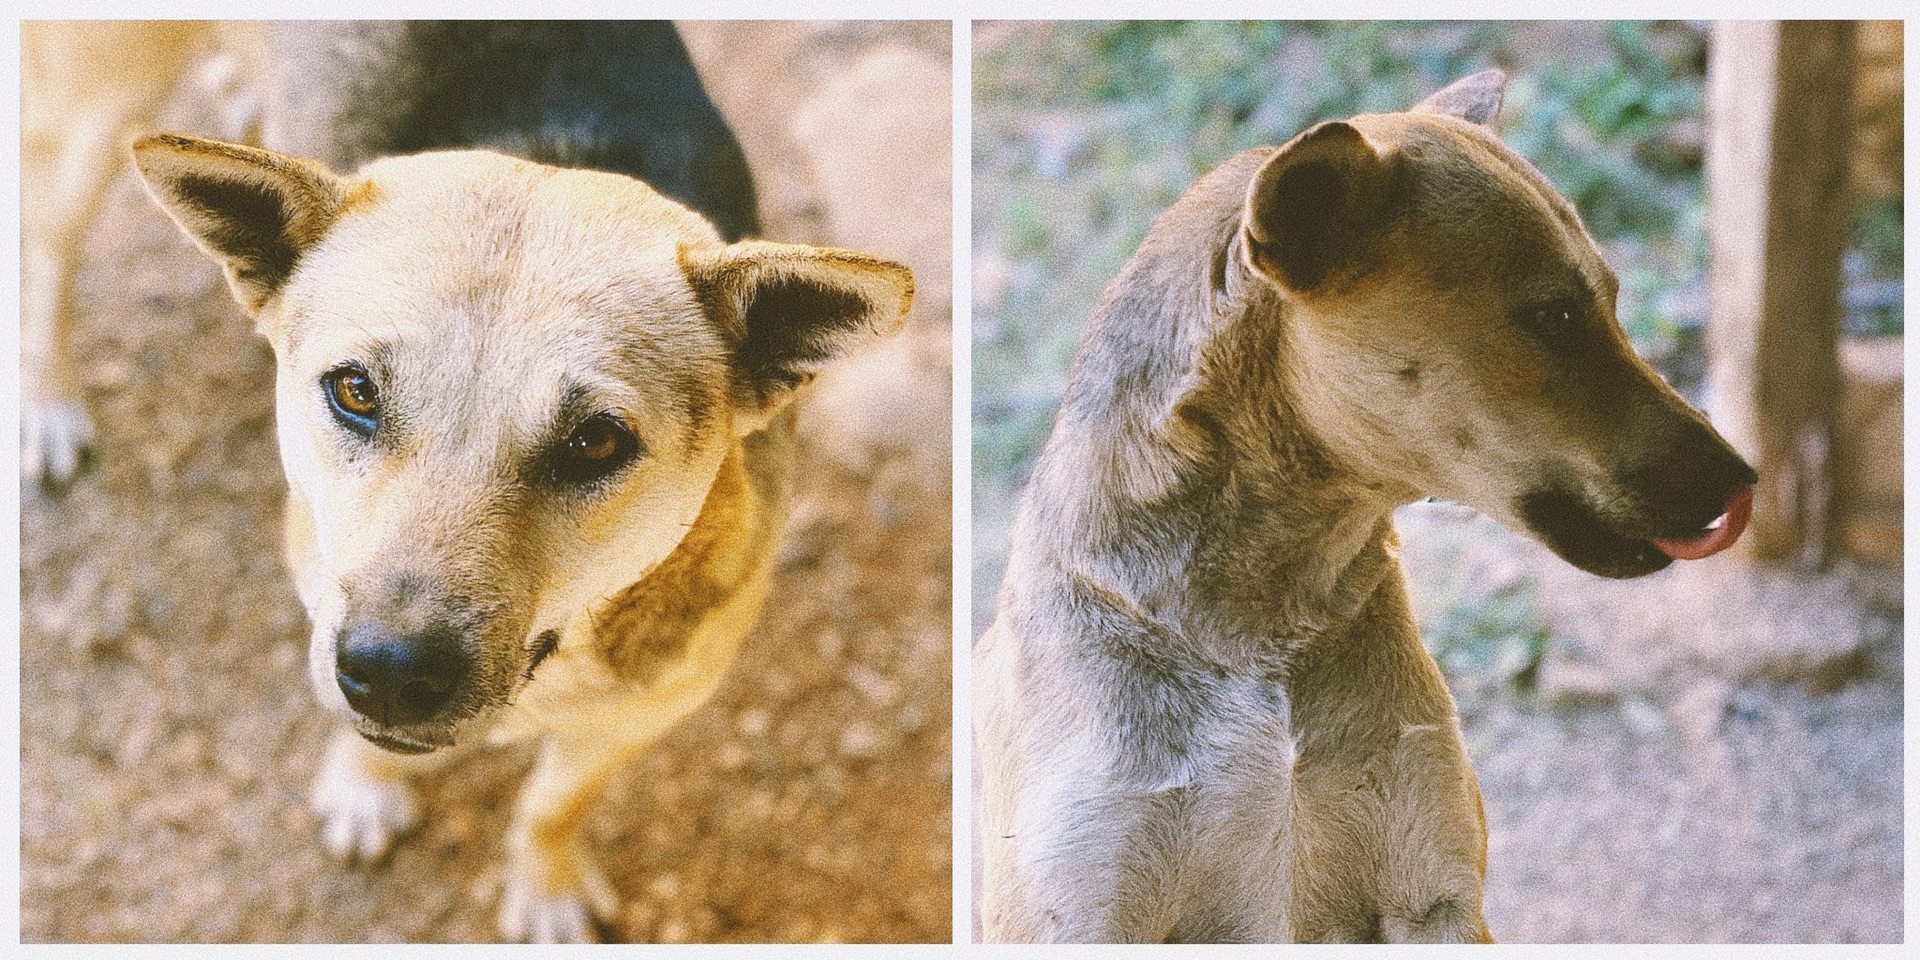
<point x="648" y="626"/>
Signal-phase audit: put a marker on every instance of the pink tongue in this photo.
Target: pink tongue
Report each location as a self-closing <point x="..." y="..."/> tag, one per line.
<point x="1731" y="525"/>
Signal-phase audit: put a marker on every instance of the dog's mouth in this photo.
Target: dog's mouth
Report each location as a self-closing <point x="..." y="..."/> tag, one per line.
<point x="388" y="740"/>
<point x="1715" y="536"/>
<point x="1572" y="528"/>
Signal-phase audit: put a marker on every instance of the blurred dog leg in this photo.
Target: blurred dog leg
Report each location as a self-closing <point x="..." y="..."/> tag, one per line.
<point x="83" y="88"/>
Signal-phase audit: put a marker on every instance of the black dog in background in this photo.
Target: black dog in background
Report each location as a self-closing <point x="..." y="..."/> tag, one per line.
<point x="620" y="96"/>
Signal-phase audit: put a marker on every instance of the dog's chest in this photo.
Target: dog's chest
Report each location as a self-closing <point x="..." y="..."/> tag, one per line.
<point x="1239" y="819"/>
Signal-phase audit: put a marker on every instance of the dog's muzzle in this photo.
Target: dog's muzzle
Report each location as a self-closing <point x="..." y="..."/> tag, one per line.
<point x="1691" y="504"/>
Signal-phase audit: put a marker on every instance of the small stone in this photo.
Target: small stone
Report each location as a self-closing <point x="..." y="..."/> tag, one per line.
<point x="190" y="750"/>
<point x="1643" y="717"/>
<point x="1568" y="685"/>
<point x="666" y="886"/>
<point x="1702" y="711"/>
<point x="872" y="684"/>
<point x="753" y="722"/>
<point x="859" y="741"/>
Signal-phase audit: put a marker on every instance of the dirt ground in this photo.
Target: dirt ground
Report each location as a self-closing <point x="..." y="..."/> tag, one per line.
<point x="168" y="734"/>
<point x="1711" y="755"/>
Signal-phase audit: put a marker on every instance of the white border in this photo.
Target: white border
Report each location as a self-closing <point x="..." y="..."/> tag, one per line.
<point x="961" y="13"/>
<point x="962" y="481"/>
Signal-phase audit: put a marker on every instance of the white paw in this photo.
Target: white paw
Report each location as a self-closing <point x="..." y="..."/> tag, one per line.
<point x="54" y="436"/>
<point x="530" y="914"/>
<point x="363" y="813"/>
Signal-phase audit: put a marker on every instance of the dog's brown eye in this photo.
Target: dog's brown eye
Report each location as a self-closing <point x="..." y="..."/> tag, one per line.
<point x="356" y="394"/>
<point x="600" y="445"/>
<point x="1556" y="325"/>
<point x="354" y="398"/>
<point x="595" y="440"/>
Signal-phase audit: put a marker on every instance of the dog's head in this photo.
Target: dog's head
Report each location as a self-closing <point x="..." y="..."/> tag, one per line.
<point x="504" y="390"/>
<point x="1452" y="328"/>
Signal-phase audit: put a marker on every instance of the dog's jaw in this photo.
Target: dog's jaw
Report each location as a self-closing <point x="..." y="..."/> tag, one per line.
<point x="1581" y="536"/>
<point x="395" y="744"/>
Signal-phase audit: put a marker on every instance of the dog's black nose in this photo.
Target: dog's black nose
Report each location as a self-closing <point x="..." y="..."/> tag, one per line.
<point x="398" y="680"/>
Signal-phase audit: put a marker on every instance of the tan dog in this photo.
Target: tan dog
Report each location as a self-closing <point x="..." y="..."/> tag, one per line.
<point x="86" y="89"/>
<point x="1204" y="712"/>
<point x="538" y="428"/>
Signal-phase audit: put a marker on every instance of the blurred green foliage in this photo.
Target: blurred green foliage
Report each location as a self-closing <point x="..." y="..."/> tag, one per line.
<point x="1489" y="644"/>
<point x="1877" y="234"/>
<point x="1874" y="269"/>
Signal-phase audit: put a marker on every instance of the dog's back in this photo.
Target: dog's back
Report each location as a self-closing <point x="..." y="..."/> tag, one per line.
<point x="620" y="96"/>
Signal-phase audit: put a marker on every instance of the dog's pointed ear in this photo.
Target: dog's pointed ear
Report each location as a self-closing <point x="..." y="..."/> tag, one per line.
<point x="1316" y="207"/>
<point x="1475" y="99"/>
<point x="792" y="310"/>
<point x="254" y="211"/>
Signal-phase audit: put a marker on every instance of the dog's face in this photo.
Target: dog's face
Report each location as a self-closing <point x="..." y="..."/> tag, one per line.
<point x="503" y="393"/>
<point x="1454" y="327"/>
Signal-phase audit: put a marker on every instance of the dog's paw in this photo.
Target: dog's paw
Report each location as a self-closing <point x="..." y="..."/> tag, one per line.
<point x="54" y="437"/>
<point x="533" y="912"/>
<point x="363" y="813"/>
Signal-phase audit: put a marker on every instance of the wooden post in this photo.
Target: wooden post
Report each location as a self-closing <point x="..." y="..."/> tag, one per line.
<point x="1778" y="114"/>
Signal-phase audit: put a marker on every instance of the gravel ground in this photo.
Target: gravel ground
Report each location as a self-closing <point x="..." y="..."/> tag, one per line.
<point x="1712" y="754"/>
<point x="168" y="735"/>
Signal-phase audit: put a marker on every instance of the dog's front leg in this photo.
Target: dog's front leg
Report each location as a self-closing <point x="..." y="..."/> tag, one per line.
<point x="68" y="179"/>
<point x="553" y="891"/>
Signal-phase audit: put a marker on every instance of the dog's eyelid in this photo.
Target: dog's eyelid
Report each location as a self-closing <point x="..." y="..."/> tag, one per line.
<point x="1555" y="322"/>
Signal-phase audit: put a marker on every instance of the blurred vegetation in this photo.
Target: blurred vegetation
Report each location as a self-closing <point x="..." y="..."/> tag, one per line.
<point x="1489" y="643"/>
<point x="1875" y="298"/>
<point x="1084" y="131"/>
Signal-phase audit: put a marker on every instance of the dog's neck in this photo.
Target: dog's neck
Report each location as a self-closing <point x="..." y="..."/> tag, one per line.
<point x="1180" y="479"/>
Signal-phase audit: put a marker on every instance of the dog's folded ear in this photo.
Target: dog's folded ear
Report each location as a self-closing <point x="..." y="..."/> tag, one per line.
<point x="1475" y="99"/>
<point x="1316" y="207"/>
<point x="253" y="210"/>
<point x="792" y="310"/>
